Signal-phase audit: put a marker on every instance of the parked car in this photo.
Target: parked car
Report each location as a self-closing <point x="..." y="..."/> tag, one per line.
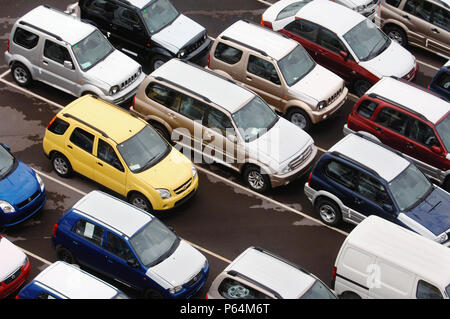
<point x="14" y="267"/>
<point x="108" y="145"/>
<point x="259" y="274"/>
<point x="366" y="7"/>
<point x="409" y="119"/>
<point x="421" y="23"/>
<point x="224" y="122"/>
<point x="381" y="260"/>
<point x="440" y="84"/>
<point x="344" y="42"/>
<point x="22" y="191"/>
<point x="152" y="31"/>
<point x="279" y="70"/>
<point x="129" y="245"/>
<point x="50" y="46"/>
<point x="359" y="177"/>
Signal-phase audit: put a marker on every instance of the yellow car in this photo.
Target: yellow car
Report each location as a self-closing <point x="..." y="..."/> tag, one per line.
<point x="121" y="152"/>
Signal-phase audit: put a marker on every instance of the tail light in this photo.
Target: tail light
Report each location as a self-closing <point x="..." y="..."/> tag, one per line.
<point x="334" y="272"/>
<point x="53" y="119"/>
<point x="8" y="45"/>
<point x="266" y="24"/>
<point x="206" y="296"/>
<point x="17" y="297"/>
<point x="309" y="179"/>
<point x="428" y="87"/>
<point x="55" y="228"/>
<point x="134" y="100"/>
<point x="209" y="59"/>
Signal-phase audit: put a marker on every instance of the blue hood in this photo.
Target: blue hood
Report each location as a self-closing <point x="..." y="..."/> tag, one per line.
<point x="19" y="185"/>
<point x="433" y="212"/>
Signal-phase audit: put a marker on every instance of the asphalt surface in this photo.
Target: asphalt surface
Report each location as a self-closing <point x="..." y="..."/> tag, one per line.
<point x="225" y="217"/>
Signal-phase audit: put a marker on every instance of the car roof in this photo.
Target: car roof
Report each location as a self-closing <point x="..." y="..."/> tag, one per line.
<point x="398" y="245"/>
<point x="117" y="123"/>
<point x="335" y="17"/>
<point x="70" y="29"/>
<point x="433" y="108"/>
<point x="112" y="212"/>
<point x="272" y="43"/>
<point x="139" y="3"/>
<point x="274" y="273"/>
<point x="74" y="283"/>
<point x="386" y="163"/>
<point x="218" y="90"/>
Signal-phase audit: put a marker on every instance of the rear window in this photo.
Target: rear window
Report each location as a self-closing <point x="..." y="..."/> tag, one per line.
<point x="25" y="39"/>
<point x="394" y="3"/>
<point x="291" y="9"/>
<point x="58" y="126"/>
<point x="227" y="53"/>
<point x="366" y="108"/>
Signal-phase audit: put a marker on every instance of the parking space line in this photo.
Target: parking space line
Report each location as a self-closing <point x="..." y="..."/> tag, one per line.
<point x="4" y="74"/>
<point x="35" y="256"/>
<point x="428" y="65"/>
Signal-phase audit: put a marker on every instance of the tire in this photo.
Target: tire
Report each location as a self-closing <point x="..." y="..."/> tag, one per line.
<point x="61" y="165"/>
<point x="140" y="201"/>
<point x="361" y="86"/>
<point x="256" y="179"/>
<point x="162" y="131"/>
<point x="329" y="213"/>
<point x="21" y="74"/>
<point x="157" y="60"/>
<point x="89" y="92"/>
<point x="65" y="255"/>
<point x="152" y="294"/>
<point x="349" y="295"/>
<point x="299" y="118"/>
<point x="396" y="34"/>
<point x="446" y="184"/>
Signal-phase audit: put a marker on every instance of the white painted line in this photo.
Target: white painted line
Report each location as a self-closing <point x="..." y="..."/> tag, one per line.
<point x="209" y="252"/>
<point x="4" y="74"/>
<point x="265" y="2"/>
<point x="321" y="149"/>
<point x="428" y="65"/>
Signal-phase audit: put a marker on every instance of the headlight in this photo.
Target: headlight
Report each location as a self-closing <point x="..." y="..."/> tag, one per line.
<point x="194" y="171"/>
<point x="442" y="238"/>
<point x="360" y="8"/>
<point x="286" y="169"/>
<point x="181" y="54"/>
<point x="205" y="264"/>
<point x="6" y="207"/>
<point x="321" y="105"/>
<point x="176" y="289"/>
<point x="41" y="183"/>
<point x="164" y="193"/>
<point x="114" y="90"/>
<point x="139" y="70"/>
<point x="25" y="261"/>
<point x="205" y="36"/>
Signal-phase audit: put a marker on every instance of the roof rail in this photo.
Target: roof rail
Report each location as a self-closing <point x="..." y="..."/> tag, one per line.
<point x="380" y="144"/>
<point x="57" y="37"/>
<point x="290" y="263"/>
<point x="159" y="78"/>
<point x="226" y="38"/>
<point x="68" y="115"/>
<point x="342" y="156"/>
<point x="377" y="96"/>
<point x="235" y="273"/>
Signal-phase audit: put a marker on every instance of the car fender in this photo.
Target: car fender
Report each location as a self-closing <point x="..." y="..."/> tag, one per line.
<point x="290" y="104"/>
<point x="21" y="59"/>
<point x="90" y="88"/>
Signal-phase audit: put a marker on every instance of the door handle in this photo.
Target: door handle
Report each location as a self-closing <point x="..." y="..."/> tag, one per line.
<point x="74" y="242"/>
<point x="44" y="62"/>
<point x="99" y="163"/>
<point x="249" y="78"/>
<point x="109" y="260"/>
<point x="435" y="30"/>
<point x="379" y="129"/>
<point x="358" y="201"/>
<point x="405" y="16"/>
<point x="70" y="146"/>
<point x="209" y="137"/>
<point x="410" y="146"/>
<point x="171" y="115"/>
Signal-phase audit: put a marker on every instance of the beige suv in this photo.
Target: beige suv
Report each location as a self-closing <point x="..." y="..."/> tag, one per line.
<point x="422" y="23"/>
<point x="280" y="70"/>
<point x="223" y="122"/>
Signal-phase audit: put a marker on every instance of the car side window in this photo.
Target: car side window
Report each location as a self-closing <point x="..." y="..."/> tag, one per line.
<point x="106" y="153"/>
<point x="89" y="231"/>
<point x="341" y="173"/>
<point x="419" y="8"/>
<point x="422" y="133"/>
<point x="56" y="52"/>
<point x="58" y="126"/>
<point x="304" y="29"/>
<point x="373" y="190"/>
<point x="227" y="53"/>
<point x="118" y="247"/>
<point x="232" y="289"/>
<point x="163" y="95"/>
<point x="394" y="3"/>
<point x="393" y="119"/>
<point x="45" y="295"/>
<point x="443" y="81"/>
<point x="366" y="108"/>
<point x="102" y="8"/>
<point x="25" y="38"/>
<point x="218" y="120"/>
<point x="126" y="18"/>
<point x="441" y="17"/>
<point x="82" y="139"/>
<point x="330" y="41"/>
<point x="426" y="290"/>
<point x="263" y="69"/>
<point x="192" y="108"/>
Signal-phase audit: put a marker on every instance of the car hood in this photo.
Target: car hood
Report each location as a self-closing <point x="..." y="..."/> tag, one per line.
<point x="11" y="258"/>
<point x="175" y="36"/>
<point x="115" y="69"/>
<point x="433" y="212"/>
<point x="395" y="60"/>
<point x="312" y="84"/>
<point x="170" y="173"/>
<point x="177" y="269"/>
<point x="279" y="144"/>
<point x="19" y="185"/>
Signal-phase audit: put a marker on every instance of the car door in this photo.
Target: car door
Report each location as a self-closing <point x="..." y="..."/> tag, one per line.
<point x="441" y="84"/>
<point x="426" y="290"/>
<point x="416" y="17"/>
<point x="79" y="147"/>
<point x="438" y="39"/>
<point x="109" y="170"/>
<point x="100" y="13"/>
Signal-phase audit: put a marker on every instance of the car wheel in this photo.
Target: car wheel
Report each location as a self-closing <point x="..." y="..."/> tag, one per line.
<point x="361" y="86"/>
<point x="89" y="92"/>
<point x="65" y="255"/>
<point x="349" y="295"/>
<point x="140" y="201"/>
<point x="446" y="184"/>
<point x="256" y="179"/>
<point x="61" y="165"/>
<point x="161" y="130"/>
<point x="299" y="118"/>
<point x="152" y="294"/>
<point x="329" y="212"/>
<point x="157" y="61"/>
<point x="21" y="74"/>
<point x="396" y="34"/>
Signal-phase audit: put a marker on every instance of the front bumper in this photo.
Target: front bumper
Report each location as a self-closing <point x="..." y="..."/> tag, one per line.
<point x="327" y="111"/>
<point x="127" y="93"/>
<point x="176" y="201"/>
<point x="7" y="289"/>
<point x="200" y="51"/>
<point x="25" y="212"/>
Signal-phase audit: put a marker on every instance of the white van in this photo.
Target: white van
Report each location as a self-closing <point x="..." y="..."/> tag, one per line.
<point x="382" y="260"/>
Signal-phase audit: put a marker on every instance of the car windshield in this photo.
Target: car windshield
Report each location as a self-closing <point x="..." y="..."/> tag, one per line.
<point x="366" y="40"/>
<point x="318" y="291"/>
<point x="410" y="187"/>
<point x="254" y="119"/>
<point x="158" y="15"/>
<point x="443" y="129"/>
<point x="91" y="50"/>
<point x="154" y="243"/>
<point x="447" y="290"/>
<point x="291" y="9"/>
<point x="296" y="65"/>
<point x="6" y="162"/>
<point x="144" y="149"/>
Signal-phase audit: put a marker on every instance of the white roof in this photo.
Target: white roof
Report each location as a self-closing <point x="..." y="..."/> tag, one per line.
<point x="403" y="247"/>
<point x="272" y="272"/>
<point x="420" y="101"/>
<point x="113" y="212"/>
<point x="69" y="28"/>
<point x="333" y="16"/>
<point x="376" y="157"/>
<point x="139" y="3"/>
<point x="273" y="43"/>
<point x="74" y="283"/>
<point x="221" y="92"/>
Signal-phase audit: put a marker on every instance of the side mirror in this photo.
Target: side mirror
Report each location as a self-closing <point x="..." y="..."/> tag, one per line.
<point x="6" y="146"/>
<point x="436" y="149"/>
<point x="171" y="229"/>
<point x="344" y="55"/>
<point x="388" y="208"/>
<point x="68" y="65"/>
<point x="232" y="138"/>
<point x="133" y="263"/>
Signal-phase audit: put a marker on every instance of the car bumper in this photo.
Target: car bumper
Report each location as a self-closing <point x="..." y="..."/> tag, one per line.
<point x="24" y="212"/>
<point x="309" y="192"/>
<point x="176" y="201"/>
<point x="190" y="291"/>
<point x="127" y="94"/>
<point x="326" y="112"/>
<point x="411" y="75"/>
<point x="200" y="51"/>
<point x="8" y="289"/>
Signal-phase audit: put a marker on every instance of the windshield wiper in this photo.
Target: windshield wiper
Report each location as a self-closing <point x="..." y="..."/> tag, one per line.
<point x="372" y="51"/>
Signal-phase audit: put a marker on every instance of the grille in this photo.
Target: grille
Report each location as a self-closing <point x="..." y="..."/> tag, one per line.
<point x="130" y="80"/>
<point x="28" y="200"/>
<point x="194" y="46"/>
<point x="332" y="98"/>
<point x="194" y="279"/>
<point x="13" y="277"/>
<point x="410" y="74"/>
<point x="301" y="158"/>
<point x="183" y="187"/>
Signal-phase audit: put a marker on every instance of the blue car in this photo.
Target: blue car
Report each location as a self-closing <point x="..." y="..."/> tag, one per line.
<point x="359" y="177"/>
<point x="22" y="191"/>
<point x="440" y="84"/>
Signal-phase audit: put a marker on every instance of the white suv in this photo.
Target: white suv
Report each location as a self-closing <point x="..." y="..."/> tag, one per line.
<point x="53" y="47"/>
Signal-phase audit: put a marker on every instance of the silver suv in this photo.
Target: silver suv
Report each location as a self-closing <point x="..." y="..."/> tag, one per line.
<point x="50" y="46"/>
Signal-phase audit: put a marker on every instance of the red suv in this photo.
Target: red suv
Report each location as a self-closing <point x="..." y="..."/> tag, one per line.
<point x="410" y="120"/>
